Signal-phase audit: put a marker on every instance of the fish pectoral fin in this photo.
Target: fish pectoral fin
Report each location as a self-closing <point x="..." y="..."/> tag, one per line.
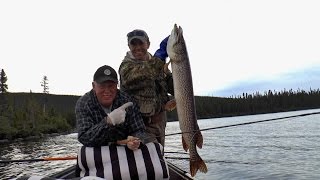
<point x="197" y="165"/>
<point x="199" y="140"/>
<point x="184" y="145"/>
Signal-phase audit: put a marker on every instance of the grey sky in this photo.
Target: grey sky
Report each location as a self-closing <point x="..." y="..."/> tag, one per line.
<point x="229" y="42"/>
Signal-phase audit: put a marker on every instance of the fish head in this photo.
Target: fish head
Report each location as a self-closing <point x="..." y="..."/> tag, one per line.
<point x="176" y="43"/>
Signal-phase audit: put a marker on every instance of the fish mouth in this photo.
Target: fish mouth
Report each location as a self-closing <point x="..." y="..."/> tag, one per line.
<point x="175" y="27"/>
<point x="173" y="41"/>
<point x="177" y="33"/>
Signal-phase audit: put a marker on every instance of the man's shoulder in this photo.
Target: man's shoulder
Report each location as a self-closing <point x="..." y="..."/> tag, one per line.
<point x="85" y="98"/>
<point x="127" y="61"/>
<point x="125" y="64"/>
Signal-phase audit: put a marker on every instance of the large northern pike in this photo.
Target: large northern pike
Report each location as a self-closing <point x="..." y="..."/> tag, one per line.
<point x="183" y="94"/>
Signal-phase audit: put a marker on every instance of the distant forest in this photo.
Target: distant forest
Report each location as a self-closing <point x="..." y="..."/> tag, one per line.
<point x="34" y="114"/>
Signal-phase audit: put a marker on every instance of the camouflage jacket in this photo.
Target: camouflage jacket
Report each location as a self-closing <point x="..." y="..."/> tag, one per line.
<point x="147" y="82"/>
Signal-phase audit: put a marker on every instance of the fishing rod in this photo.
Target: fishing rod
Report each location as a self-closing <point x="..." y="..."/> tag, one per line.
<point x="246" y="123"/>
<point x="177" y="158"/>
<point x="57" y="158"/>
<point x="41" y="159"/>
<point x="61" y="158"/>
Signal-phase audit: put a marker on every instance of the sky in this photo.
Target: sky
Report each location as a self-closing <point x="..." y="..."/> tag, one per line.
<point x="234" y="46"/>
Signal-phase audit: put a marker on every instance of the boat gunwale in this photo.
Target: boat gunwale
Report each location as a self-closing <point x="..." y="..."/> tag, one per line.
<point x="175" y="172"/>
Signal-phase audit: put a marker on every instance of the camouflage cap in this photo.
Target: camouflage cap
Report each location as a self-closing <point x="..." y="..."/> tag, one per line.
<point x="138" y="34"/>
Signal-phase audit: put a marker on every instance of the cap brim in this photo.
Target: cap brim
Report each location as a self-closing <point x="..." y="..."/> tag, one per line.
<point x="143" y="39"/>
<point x="104" y="79"/>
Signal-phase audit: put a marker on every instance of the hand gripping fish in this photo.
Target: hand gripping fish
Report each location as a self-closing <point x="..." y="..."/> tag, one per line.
<point x="183" y="94"/>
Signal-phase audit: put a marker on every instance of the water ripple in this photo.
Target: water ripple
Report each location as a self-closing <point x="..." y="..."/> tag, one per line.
<point x="282" y="150"/>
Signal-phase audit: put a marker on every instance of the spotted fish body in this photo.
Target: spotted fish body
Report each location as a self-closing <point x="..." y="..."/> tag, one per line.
<point x="184" y="96"/>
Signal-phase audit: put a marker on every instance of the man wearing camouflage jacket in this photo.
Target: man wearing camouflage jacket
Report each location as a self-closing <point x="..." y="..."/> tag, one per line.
<point x="148" y="81"/>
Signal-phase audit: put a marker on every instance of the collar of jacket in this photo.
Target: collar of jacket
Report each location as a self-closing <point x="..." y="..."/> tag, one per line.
<point x="131" y="57"/>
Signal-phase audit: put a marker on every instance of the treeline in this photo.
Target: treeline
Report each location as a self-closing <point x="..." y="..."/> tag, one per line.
<point x="34" y="114"/>
<point x="256" y="103"/>
<point x="28" y="114"/>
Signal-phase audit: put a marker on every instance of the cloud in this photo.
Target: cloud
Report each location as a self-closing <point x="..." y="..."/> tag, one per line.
<point x="303" y="79"/>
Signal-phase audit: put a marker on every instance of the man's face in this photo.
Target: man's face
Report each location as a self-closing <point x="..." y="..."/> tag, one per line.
<point x="106" y="92"/>
<point x="139" y="49"/>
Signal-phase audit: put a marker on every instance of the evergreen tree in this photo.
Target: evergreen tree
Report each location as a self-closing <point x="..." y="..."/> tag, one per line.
<point x="3" y="81"/>
<point x="44" y="84"/>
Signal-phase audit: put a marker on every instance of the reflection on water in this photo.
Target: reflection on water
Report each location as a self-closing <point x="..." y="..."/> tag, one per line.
<point x="58" y="146"/>
<point x="284" y="149"/>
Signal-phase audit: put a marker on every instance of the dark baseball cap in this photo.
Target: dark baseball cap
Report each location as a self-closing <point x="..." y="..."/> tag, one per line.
<point x="138" y="34"/>
<point x="105" y="73"/>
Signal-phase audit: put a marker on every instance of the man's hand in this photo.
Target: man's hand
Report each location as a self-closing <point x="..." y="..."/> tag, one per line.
<point x="170" y="105"/>
<point x="166" y="68"/>
<point x="132" y="142"/>
<point x="118" y="115"/>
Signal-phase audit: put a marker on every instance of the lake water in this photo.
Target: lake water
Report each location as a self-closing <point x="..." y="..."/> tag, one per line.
<point x="281" y="149"/>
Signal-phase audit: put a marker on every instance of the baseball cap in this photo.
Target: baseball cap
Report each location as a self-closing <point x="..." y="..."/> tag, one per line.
<point x="138" y="34"/>
<point x="105" y="73"/>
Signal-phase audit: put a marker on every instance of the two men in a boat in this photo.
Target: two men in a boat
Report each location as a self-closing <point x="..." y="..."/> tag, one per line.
<point x="133" y="117"/>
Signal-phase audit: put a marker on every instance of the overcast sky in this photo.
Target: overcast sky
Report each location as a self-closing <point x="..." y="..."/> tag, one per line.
<point x="234" y="45"/>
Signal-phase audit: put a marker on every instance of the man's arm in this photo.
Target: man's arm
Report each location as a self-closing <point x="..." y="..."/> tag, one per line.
<point x="92" y="131"/>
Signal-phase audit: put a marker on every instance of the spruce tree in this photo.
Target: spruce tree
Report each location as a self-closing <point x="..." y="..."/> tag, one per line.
<point x="44" y="84"/>
<point x="3" y="82"/>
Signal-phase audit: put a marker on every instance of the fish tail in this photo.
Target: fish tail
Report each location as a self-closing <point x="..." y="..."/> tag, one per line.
<point x="197" y="165"/>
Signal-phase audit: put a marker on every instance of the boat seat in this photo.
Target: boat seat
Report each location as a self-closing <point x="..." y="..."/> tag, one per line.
<point x="119" y="162"/>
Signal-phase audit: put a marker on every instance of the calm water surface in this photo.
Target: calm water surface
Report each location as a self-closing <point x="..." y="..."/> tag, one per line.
<point x="282" y="149"/>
